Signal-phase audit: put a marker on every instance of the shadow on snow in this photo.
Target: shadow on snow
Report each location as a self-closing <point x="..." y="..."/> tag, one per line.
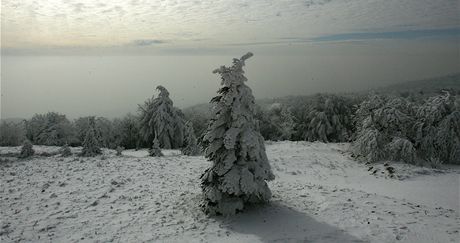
<point x="279" y="223"/>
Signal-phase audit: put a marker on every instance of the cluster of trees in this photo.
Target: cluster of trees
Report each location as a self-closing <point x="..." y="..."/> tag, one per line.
<point x="391" y="126"/>
<point x="322" y="117"/>
<point x="158" y="120"/>
<point x="328" y="118"/>
<point x="396" y="128"/>
<point x="55" y="129"/>
<point x="409" y="128"/>
<point x="11" y="133"/>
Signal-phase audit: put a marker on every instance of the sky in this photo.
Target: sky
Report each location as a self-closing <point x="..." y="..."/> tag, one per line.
<point x="104" y="57"/>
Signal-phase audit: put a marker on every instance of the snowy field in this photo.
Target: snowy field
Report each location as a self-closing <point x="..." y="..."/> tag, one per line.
<point x="319" y="195"/>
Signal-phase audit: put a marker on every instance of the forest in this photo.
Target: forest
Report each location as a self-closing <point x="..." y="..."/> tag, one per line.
<point x="418" y="127"/>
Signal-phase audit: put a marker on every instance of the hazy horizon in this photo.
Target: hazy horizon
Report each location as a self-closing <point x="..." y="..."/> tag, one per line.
<point x="102" y="58"/>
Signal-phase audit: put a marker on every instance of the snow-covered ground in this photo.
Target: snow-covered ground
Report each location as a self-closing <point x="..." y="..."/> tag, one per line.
<point x="319" y="195"/>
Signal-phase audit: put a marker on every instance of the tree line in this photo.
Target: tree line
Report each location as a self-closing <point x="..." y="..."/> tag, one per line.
<point x="397" y="126"/>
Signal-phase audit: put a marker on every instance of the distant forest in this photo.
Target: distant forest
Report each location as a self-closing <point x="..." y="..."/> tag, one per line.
<point x="414" y="122"/>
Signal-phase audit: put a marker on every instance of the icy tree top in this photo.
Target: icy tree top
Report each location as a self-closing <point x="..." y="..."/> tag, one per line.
<point x="235" y="72"/>
<point x="163" y="91"/>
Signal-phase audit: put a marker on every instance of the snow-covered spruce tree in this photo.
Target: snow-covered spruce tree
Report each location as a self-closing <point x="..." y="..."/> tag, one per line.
<point x="91" y="144"/>
<point x="191" y="147"/>
<point x="240" y="167"/>
<point x="155" y="151"/>
<point x="159" y="118"/>
<point x="437" y="129"/>
<point x="65" y="150"/>
<point x="27" y="149"/>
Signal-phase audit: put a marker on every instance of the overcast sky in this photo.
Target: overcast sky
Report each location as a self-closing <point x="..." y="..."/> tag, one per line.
<point x="82" y="57"/>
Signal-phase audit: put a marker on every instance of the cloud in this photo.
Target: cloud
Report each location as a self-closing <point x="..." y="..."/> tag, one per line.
<point x="239" y="23"/>
<point x="361" y="36"/>
<point x="147" y="42"/>
<point x="408" y="34"/>
<point x="309" y="3"/>
<point x="78" y="7"/>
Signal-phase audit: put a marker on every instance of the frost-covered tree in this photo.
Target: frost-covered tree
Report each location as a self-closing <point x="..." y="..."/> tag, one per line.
<point x="278" y="122"/>
<point x="146" y="122"/>
<point x="240" y="167"/>
<point x="49" y="129"/>
<point x="437" y="129"/>
<point x="27" y="149"/>
<point x="91" y="144"/>
<point x="179" y="129"/>
<point x="155" y="151"/>
<point x="329" y="119"/>
<point x="160" y="119"/>
<point x="11" y="133"/>
<point x="191" y="147"/>
<point x="400" y="149"/>
<point x="369" y="144"/>
<point x="129" y="132"/>
<point x="383" y="131"/>
<point x="65" y="150"/>
<point x="107" y="132"/>
<point x="199" y="118"/>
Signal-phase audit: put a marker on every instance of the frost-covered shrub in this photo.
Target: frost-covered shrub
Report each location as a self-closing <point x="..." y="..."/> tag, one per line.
<point x="437" y="129"/>
<point x="434" y="163"/>
<point x="119" y="150"/>
<point x="65" y="151"/>
<point x="240" y="167"/>
<point x="191" y="147"/>
<point x="155" y="150"/>
<point x="91" y="144"/>
<point x="27" y="149"/>
<point x="160" y="119"/>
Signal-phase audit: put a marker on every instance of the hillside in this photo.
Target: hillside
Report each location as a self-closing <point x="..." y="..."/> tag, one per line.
<point x="319" y="195"/>
<point x="426" y="87"/>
